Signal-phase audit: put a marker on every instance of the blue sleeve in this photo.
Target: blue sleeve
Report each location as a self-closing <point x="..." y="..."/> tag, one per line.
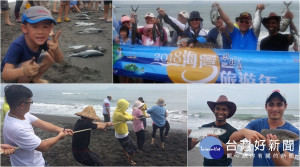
<point x="116" y="24"/>
<point x="251" y="125"/>
<point x="14" y="54"/>
<point x="235" y="30"/>
<point x="210" y="37"/>
<point x="149" y="111"/>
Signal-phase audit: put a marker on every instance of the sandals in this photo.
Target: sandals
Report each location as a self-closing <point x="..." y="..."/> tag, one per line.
<point x="58" y="21"/>
<point x="132" y="162"/>
<point x="67" y="19"/>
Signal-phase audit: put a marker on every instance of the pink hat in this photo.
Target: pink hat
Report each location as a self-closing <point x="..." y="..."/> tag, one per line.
<point x="125" y="18"/>
<point x="146" y="28"/>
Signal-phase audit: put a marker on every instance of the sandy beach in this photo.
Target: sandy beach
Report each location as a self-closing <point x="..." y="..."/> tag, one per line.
<point x="108" y="148"/>
<point x="73" y="69"/>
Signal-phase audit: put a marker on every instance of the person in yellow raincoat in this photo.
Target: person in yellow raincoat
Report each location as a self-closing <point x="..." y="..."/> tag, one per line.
<point x="120" y="117"/>
<point x="4" y="109"/>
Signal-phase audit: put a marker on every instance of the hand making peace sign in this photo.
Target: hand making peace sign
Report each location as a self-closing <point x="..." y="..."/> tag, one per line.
<point x="53" y="44"/>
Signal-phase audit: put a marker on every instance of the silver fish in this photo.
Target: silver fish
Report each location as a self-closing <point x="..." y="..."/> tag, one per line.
<point x="80" y="48"/>
<point x="82" y="18"/>
<point x="84" y="24"/>
<point x="89" y="31"/>
<point x="87" y="53"/>
<point x="285" y="22"/>
<point x="86" y="12"/>
<point x="257" y="22"/>
<point x="81" y="15"/>
<point x="219" y="41"/>
<point x="203" y="131"/>
<point x="296" y="38"/>
<point x="214" y="14"/>
<point x="282" y="134"/>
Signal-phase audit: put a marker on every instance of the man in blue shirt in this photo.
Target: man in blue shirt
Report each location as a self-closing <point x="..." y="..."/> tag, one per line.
<point x="264" y="156"/>
<point x="246" y="37"/>
<point x="213" y="35"/>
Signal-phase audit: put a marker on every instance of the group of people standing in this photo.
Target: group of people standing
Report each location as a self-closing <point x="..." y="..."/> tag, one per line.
<point x="19" y="135"/>
<point x="138" y="116"/>
<point x="189" y="32"/>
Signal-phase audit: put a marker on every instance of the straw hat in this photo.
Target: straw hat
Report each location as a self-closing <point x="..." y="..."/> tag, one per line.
<point x="89" y="112"/>
<point x="161" y="102"/>
<point x="137" y="104"/>
<point x="223" y="100"/>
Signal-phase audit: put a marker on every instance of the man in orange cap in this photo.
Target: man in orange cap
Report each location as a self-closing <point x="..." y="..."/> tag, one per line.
<point x="246" y="37"/>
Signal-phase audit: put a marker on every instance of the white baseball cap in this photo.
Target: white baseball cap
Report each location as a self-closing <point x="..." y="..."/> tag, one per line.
<point x="149" y="15"/>
<point x="184" y="14"/>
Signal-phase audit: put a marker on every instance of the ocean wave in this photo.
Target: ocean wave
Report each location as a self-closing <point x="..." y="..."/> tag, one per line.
<point x="73" y="93"/>
<point x="70" y="109"/>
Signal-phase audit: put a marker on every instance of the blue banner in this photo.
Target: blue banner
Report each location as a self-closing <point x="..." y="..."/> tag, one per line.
<point x="205" y="65"/>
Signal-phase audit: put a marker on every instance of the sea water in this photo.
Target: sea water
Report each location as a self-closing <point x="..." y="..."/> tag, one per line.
<point x="232" y="8"/>
<point x="68" y="99"/>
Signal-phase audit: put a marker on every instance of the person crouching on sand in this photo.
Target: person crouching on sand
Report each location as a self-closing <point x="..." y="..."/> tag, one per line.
<point x="120" y="117"/>
<point x="157" y="114"/>
<point x="23" y="61"/>
<point x="81" y="140"/>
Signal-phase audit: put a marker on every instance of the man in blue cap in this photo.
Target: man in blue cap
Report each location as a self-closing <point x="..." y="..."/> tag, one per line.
<point x="23" y="61"/>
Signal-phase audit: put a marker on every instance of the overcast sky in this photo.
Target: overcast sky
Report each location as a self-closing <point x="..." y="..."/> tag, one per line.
<point x="242" y="94"/>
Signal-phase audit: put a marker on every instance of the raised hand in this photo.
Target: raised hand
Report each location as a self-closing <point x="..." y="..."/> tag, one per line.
<point x="53" y="44"/>
<point x="260" y="7"/>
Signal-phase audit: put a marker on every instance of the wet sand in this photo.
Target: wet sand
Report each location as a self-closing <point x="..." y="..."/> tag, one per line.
<point x="73" y="69"/>
<point x="109" y="149"/>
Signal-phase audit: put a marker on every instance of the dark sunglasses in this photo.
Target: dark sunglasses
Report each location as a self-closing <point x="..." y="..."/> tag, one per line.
<point x="195" y="19"/>
<point x="31" y="102"/>
<point x="243" y="21"/>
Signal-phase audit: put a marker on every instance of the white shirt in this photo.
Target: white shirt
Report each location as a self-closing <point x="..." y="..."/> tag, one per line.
<point x="19" y="133"/>
<point x="179" y="24"/>
<point x="106" y="104"/>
